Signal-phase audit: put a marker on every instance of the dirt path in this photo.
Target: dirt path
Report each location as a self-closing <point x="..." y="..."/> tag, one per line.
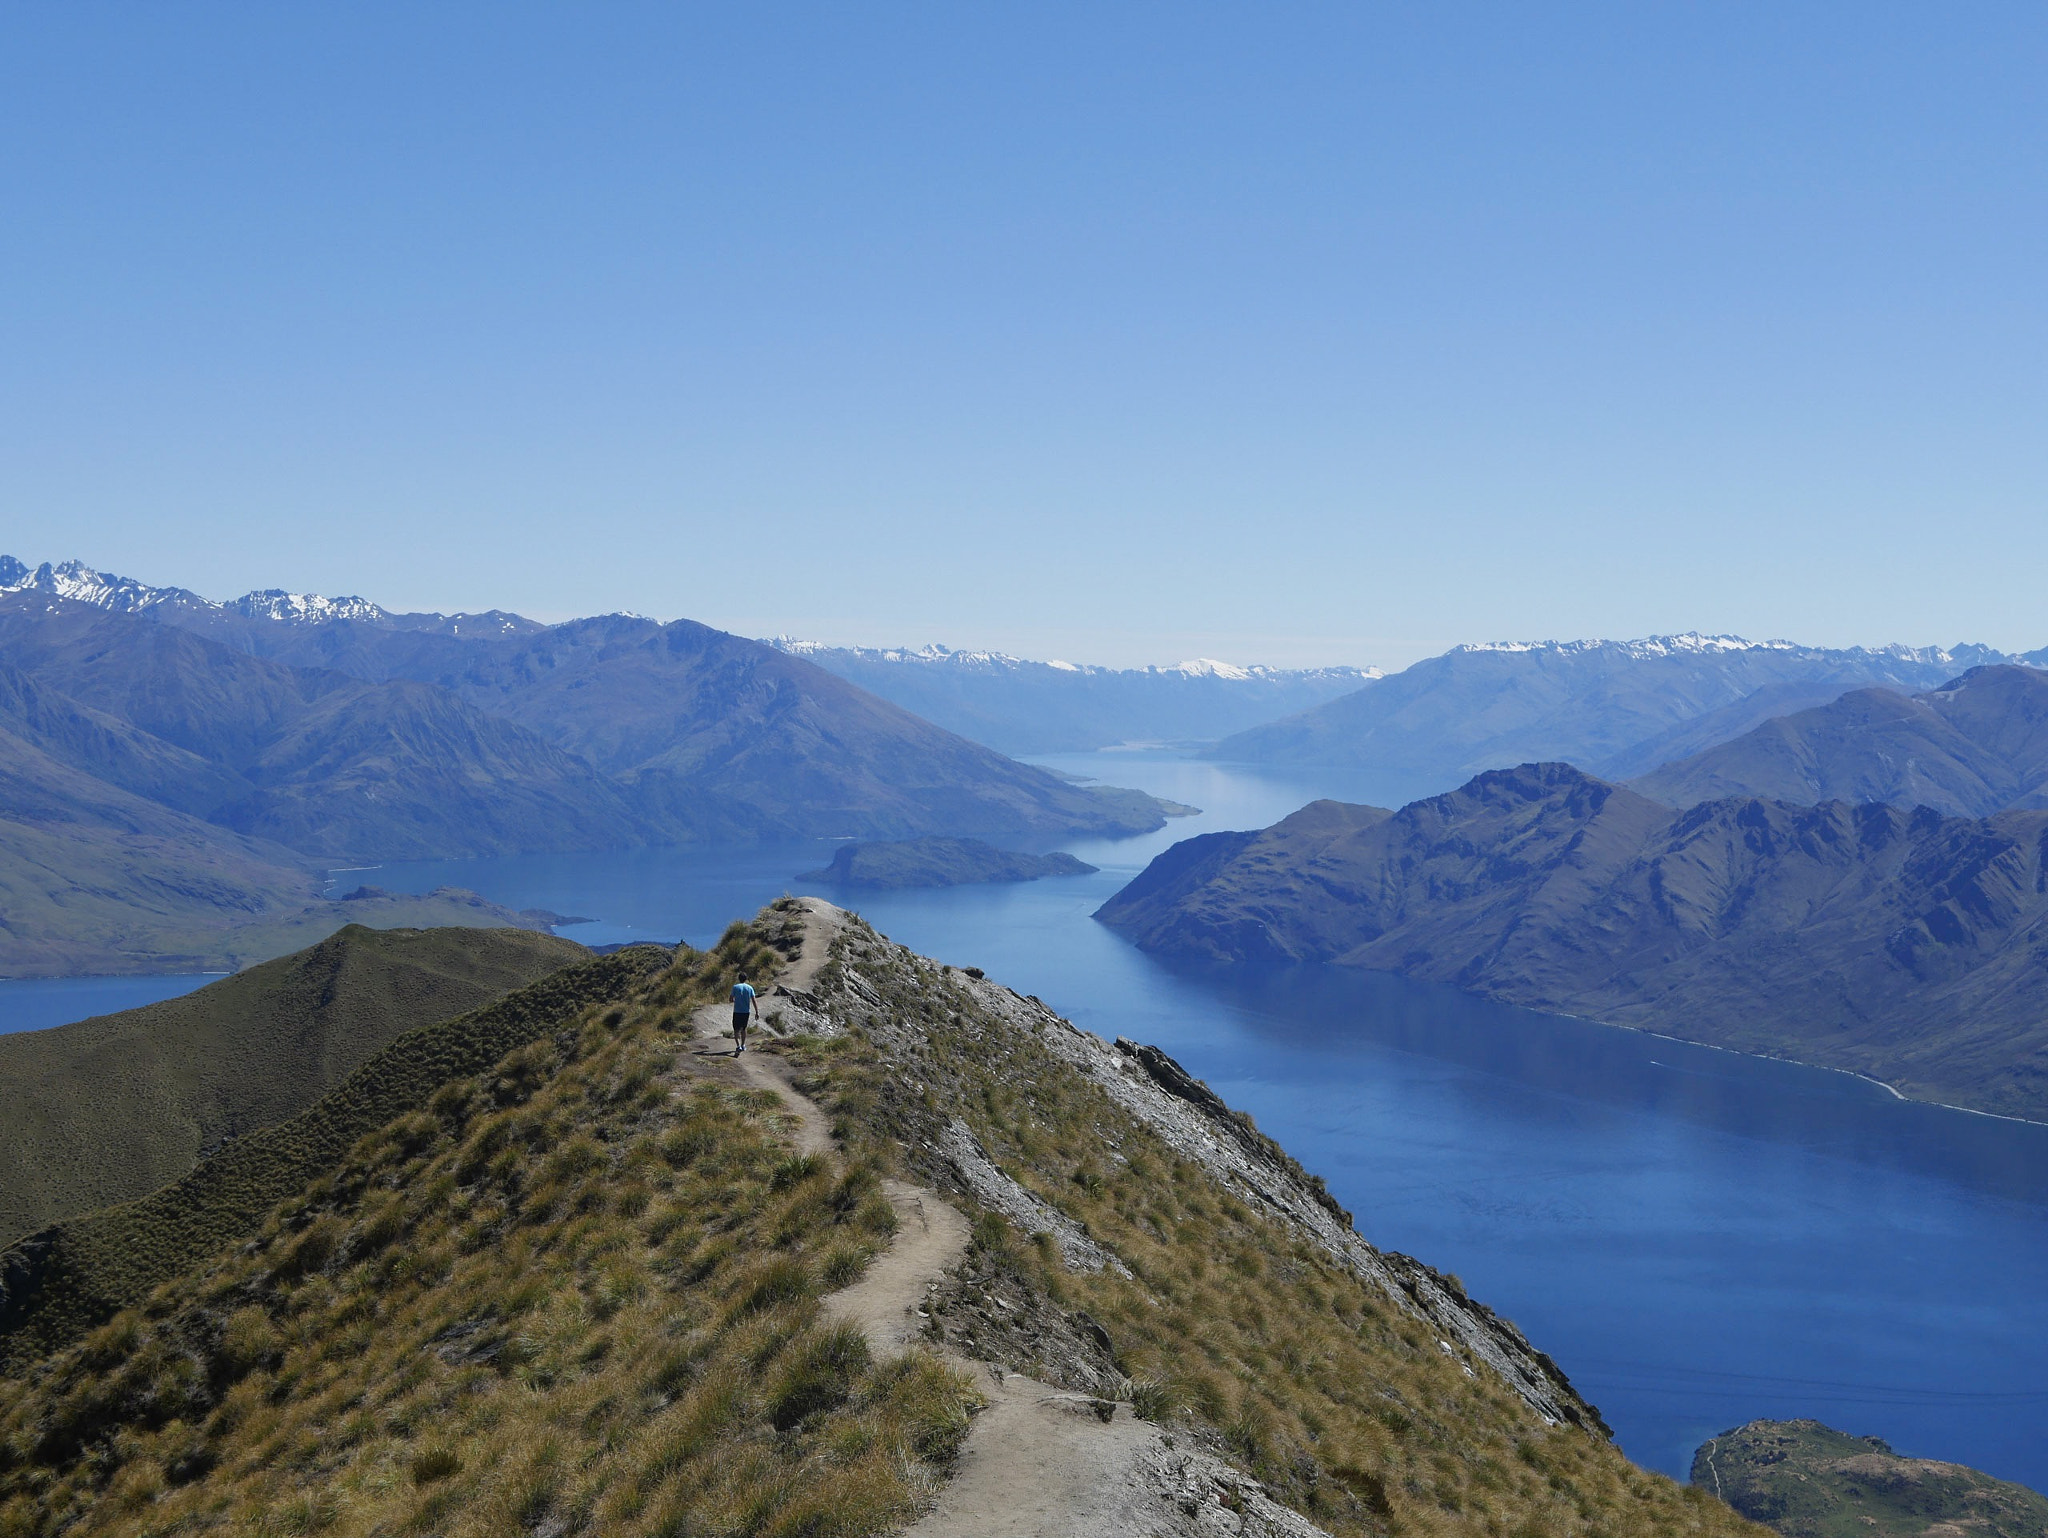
<point x="1039" y="1462"/>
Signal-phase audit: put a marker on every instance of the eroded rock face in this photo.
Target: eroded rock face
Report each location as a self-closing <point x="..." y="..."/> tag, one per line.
<point x="890" y="992"/>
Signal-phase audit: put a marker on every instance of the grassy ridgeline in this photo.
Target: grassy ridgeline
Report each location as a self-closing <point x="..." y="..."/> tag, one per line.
<point x="1231" y="1326"/>
<point x="111" y="1108"/>
<point x="66" y="1279"/>
<point x="577" y="1292"/>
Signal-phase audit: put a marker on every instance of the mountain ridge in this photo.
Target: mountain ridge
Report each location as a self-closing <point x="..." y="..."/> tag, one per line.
<point x="179" y="767"/>
<point x="1618" y="708"/>
<point x="110" y="1108"/>
<point x="1975" y="746"/>
<point x="570" y="1223"/>
<point x="1901" y="945"/>
<point x="1026" y="707"/>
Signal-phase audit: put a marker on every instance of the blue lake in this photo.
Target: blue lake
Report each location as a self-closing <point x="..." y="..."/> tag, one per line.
<point x="1698" y="1238"/>
<point x="35" y="1004"/>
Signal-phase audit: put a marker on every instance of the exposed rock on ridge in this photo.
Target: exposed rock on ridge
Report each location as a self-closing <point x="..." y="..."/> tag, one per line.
<point x="1197" y="1124"/>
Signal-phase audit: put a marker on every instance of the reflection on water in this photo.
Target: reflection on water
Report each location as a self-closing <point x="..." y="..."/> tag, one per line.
<point x="1699" y="1238"/>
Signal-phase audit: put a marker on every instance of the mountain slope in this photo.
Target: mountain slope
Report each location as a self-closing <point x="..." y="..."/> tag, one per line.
<point x="94" y="879"/>
<point x="331" y="766"/>
<point x="1975" y="746"/>
<point x="1810" y="1481"/>
<point x="1617" y="707"/>
<point x="111" y="1108"/>
<point x="693" y="733"/>
<point x="1031" y="708"/>
<point x="1902" y="945"/>
<point x="728" y="738"/>
<point x="595" y="1287"/>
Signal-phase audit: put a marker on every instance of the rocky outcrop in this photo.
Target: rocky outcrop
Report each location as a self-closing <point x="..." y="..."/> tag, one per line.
<point x="885" y="989"/>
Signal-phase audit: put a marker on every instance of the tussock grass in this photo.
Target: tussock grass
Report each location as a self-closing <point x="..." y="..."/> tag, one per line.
<point x="1232" y="1328"/>
<point x="109" y="1109"/>
<point x="574" y="1292"/>
<point x="69" y="1278"/>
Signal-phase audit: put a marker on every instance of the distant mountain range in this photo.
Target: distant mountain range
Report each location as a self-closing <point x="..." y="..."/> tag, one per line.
<point x="1896" y="943"/>
<point x="250" y="614"/>
<point x="177" y="765"/>
<point x="1617" y="708"/>
<point x="1063" y="707"/>
<point x="1976" y="746"/>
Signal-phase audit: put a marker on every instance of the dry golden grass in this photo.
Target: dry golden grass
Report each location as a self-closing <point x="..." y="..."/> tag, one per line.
<point x="577" y="1294"/>
<point x="1233" y="1327"/>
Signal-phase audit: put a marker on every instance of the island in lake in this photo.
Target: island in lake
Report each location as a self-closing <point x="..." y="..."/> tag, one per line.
<point x="921" y="862"/>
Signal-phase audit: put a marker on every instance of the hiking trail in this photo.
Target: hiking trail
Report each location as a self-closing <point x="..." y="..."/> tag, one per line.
<point x="1039" y="1462"/>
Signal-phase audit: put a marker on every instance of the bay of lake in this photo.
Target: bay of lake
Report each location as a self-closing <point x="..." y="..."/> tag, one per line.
<point x="1698" y="1238"/>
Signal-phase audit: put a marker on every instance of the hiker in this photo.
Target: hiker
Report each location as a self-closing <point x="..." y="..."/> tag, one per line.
<point x="742" y="1012"/>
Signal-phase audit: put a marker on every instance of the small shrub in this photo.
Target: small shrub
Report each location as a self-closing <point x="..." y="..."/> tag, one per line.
<point x="779" y="1280"/>
<point x="686" y="1145"/>
<point x="1154" y="1400"/>
<point x="248" y="1340"/>
<point x="820" y="1377"/>
<point x="313" y="1249"/>
<point x="876" y="1216"/>
<point x="843" y="1266"/>
<point x="794" y="1171"/>
<point x="435" y="1462"/>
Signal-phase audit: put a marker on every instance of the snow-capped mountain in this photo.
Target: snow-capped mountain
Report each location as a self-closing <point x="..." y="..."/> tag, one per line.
<point x="76" y="582"/>
<point x="948" y="657"/>
<point x="1615" y="708"/>
<point x="1693" y="644"/>
<point x="1023" y="706"/>
<point x="79" y="583"/>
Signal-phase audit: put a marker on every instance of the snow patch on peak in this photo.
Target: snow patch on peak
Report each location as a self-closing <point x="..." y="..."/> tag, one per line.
<point x="932" y="655"/>
<point x="273" y="603"/>
<point x="1690" y="643"/>
<point x="1209" y="667"/>
<point x="78" y="582"/>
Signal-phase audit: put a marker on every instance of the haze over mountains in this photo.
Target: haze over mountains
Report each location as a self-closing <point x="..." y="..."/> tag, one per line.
<point x="178" y="767"/>
<point x="1976" y="746"/>
<point x="1901" y="944"/>
<point x="1063" y="707"/>
<point x="1616" y="708"/>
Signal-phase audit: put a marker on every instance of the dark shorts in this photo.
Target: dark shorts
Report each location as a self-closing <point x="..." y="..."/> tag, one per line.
<point x="740" y="1017"/>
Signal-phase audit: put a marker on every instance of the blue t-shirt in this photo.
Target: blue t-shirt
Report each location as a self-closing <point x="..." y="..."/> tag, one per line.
<point x="743" y="998"/>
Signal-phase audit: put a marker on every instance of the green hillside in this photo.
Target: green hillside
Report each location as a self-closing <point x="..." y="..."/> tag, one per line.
<point x="1811" y="1481"/>
<point x="579" y="1288"/>
<point x="65" y="1279"/>
<point x="111" y="1108"/>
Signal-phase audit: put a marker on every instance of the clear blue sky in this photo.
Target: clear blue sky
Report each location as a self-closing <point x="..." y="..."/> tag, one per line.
<point x="1119" y="333"/>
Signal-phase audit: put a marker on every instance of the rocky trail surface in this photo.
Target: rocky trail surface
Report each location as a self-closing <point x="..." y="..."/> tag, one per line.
<point x="1040" y="1462"/>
